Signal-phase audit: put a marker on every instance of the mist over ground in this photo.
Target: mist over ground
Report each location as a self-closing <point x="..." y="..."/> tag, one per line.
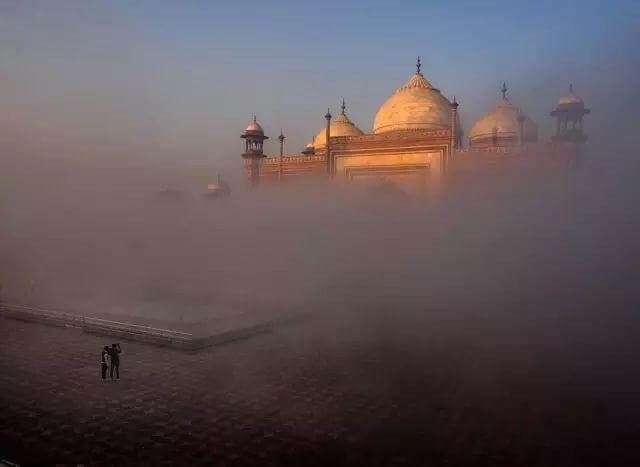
<point x="98" y="238"/>
<point x="519" y="273"/>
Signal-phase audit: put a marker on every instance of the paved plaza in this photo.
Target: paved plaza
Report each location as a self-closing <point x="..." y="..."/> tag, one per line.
<point x="315" y="393"/>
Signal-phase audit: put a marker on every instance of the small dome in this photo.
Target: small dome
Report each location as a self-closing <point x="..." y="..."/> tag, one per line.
<point x="502" y="122"/>
<point x="340" y="126"/>
<point x="217" y="188"/>
<point x="254" y="127"/>
<point x="414" y="105"/>
<point x="309" y="149"/>
<point x="571" y="99"/>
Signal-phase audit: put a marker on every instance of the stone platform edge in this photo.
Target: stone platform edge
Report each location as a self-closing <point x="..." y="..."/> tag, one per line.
<point x="135" y="332"/>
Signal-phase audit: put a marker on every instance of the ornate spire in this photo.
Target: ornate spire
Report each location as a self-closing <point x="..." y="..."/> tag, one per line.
<point x="343" y="107"/>
<point x="254" y="118"/>
<point x="418" y="65"/>
<point x="570" y="87"/>
<point x="281" y="137"/>
<point x="328" y="114"/>
<point x="503" y="90"/>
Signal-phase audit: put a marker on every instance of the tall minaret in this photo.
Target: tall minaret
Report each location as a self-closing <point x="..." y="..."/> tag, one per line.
<point x="454" y="125"/>
<point x="327" y="117"/>
<point x="254" y="141"/>
<point x="281" y="138"/>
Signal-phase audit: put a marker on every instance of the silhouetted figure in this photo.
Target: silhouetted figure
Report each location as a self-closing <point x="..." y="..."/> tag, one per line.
<point x="104" y="362"/>
<point x="115" y="360"/>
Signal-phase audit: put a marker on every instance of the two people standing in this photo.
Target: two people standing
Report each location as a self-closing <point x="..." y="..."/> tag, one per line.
<point x="110" y="359"/>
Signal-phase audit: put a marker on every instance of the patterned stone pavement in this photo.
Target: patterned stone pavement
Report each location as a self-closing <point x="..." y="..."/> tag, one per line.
<point x="311" y="394"/>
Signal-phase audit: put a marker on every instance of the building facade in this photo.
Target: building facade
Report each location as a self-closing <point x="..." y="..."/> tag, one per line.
<point x="416" y="139"/>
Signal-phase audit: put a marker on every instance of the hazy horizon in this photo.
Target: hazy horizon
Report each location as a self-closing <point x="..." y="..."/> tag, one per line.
<point x="175" y="84"/>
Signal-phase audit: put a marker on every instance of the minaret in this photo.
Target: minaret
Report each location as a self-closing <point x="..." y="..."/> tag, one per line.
<point x="454" y="125"/>
<point x="254" y="141"/>
<point x="281" y="138"/>
<point x="327" y="117"/>
<point x="569" y="114"/>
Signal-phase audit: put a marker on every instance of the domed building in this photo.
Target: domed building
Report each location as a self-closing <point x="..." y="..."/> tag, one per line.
<point x="414" y="135"/>
<point x="503" y="125"/>
<point x="416" y="138"/>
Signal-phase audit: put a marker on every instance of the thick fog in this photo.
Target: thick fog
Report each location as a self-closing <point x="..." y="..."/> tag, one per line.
<point x="99" y="238"/>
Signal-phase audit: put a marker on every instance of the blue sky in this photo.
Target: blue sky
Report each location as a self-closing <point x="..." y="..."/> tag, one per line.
<point x="181" y="79"/>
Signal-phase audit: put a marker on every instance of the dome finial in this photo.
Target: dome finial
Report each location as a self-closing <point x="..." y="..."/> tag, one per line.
<point x="570" y="87"/>
<point x="254" y="118"/>
<point x="343" y="107"/>
<point x="504" y="90"/>
<point x="418" y="65"/>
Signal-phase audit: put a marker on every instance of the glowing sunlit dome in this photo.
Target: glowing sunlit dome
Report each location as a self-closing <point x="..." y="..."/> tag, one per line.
<point x="254" y="127"/>
<point x="340" y="126"/>
<point x="413" y="106"/>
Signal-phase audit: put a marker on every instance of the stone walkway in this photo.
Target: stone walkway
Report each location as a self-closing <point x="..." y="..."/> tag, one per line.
<point x="310" y="394"/>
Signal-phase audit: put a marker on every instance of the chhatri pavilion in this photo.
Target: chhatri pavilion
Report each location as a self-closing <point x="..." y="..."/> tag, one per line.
<point x="416" y="139"/>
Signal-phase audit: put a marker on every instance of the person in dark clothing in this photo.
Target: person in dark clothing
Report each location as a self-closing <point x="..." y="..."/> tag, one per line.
<point x="104" y="362"/>
<point x="115" y="360"/>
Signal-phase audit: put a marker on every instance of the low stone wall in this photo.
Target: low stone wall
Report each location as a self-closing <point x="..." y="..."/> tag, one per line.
<point x="127" y="331"/>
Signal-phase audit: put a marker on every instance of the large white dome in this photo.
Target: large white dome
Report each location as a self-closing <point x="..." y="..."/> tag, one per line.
<point x="416" y="105"/>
